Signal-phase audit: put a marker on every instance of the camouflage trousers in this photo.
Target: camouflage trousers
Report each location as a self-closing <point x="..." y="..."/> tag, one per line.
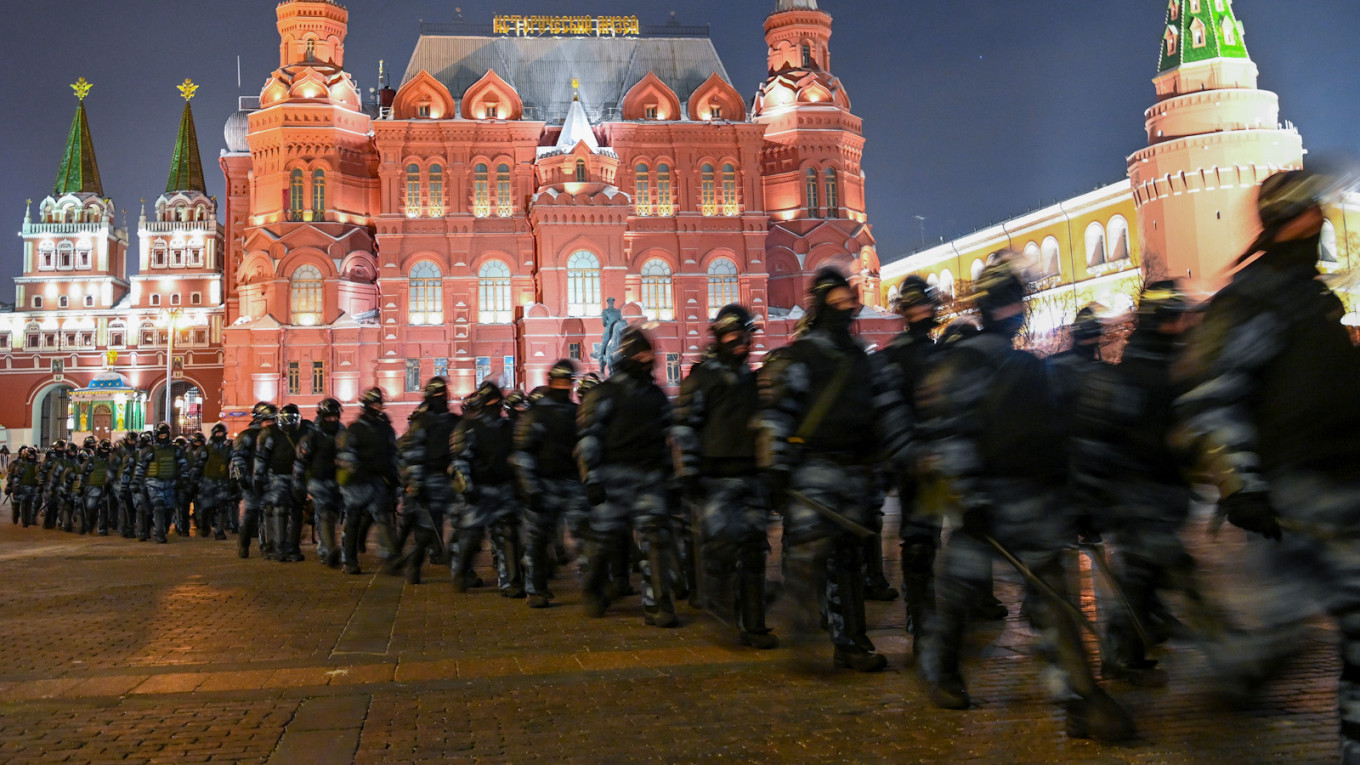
<point x="824" y="561"/>
<point x="561" y="498"/>
<point x="733" y="545"/>
<point x="635" y="501"/>
<point x="328" y="506"/>
<point x="26" y="499"/>
<point x="95" y="506"/>
<point x="366" y="499"/>
<point x="493" y="507"/>
<point x="214" y="505"/>
<point x="283" y="513"/>
<point x="161" y="493"/>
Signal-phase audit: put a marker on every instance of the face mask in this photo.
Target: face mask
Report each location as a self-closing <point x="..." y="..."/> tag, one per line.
<point x="922" y="329"/>
<point x="437" y="404"/>
<point x="641" y="370"/>
<point x="1009" y="326"/>
<point x="729" y="349"/>
<point x="836" y="320"/>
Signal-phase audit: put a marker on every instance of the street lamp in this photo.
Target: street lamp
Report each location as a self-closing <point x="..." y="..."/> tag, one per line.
<point x="171" y="316"/>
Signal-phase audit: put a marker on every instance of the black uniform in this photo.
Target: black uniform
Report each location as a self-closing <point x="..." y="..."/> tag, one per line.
<point x="367" y="462"/>
<point x="545" y="437"/>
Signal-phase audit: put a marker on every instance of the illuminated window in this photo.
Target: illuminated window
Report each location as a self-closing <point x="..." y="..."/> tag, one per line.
<point x="83" y="256"/>
<point x="89" y="301"/>
<point x="47" y="259"/>
<point x="174" y="299"/>
<point x="1171" y="41"/>
<point x="318" y="377"/>
<point x="1197" y="36"/>
<point x="807" y="56"/>
<point x="642" y="191"/>
<point x="423" y="110"/>
<point x="583" y="284"/>
<point x="305" y="294"/>
<point x="65" y="255"/>
<point x="493" y="292"/>
<point x="483" y="368"/>
<point x="436" y="191"/>
<point x="195" y="255"/>
<point x="413" y="190"/>
<point x="155" y="299"/>
<point x="657" y="293"/>
<point x="441" y="367"/>
<point x="318" y="194"/>
<point x="196" y="298"/>
<point x="729" y="190"/>
<point x="672" y="369"/>
<point x="503" y="196"/>
<point x="1229" y="32"/>
<point x="294" y="379"/>
<point x="481" y="192"/>
<point x="708" y="201"/>
<point x="715" y="111"/>
<point x="177" y="253"/>
<point x="412" y="375"/>
<point x="311" y="49"/>
<point x="832" y="194"/>
<point x="649" y="112"/>
<point x="1194" y="6"/>
<point x="665" y="205"/>
<point x="581" y="171"/>
<point x="295" y="195"/>
<point x="426" y="304"/>
<point x="813" y="210"/>
<point x="1095" y="245"/>
<point x="722" y="285"/>
<point x="159" y="254"/>
<point x="63" y="302"/>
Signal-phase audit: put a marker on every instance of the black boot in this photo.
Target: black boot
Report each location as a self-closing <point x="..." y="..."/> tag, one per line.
<point x="751" y="598"/>
<point x="1100" y="717"/>
<point x="469" y="544"/>
<point x="416" y="558"/>
<point x="602" y="560"/>
<point x="658" y="550"/>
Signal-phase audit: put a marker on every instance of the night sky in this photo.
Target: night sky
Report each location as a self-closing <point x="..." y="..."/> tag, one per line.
<point x="974" y="110"/>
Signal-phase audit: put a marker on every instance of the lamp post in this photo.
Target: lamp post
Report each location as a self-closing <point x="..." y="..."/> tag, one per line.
<point x="171" y="318"/>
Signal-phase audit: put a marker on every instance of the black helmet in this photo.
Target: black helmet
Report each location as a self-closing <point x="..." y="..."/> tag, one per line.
<point x="290" y="415"/>
<point x="998" y="287"/>
<point x="823" y="284"/>
<point x="219" y="428"/>
<point x="437" y="386"/>
<point x="144" y="439"/>
<point x="105" y="444"/>
<point x="632" y="342"/>
<point x="958" y="330"/>
<point x="90" y="442"/>
<point x="564" y="369"/>
<point x="162" y="430"/>
<point x="1162" y="301"/>
<point x="517" y="402"/>
<point x="264" y="411"/>
<point x="1286" y="195"/>
<point x="732" y="318"/>
<point x="913" y="292"/>
<point x="197" y="439"/>
<point x="588" y="380"/>
<point x="1088" y="326"/>
<point x="372" y="397"/>
<point x="487" y="394"/>
<point x="328" y="407"/>
<point x="180" y="441"/>
<point x="537" y="394"/>
<point x="60" y="445"/>
<point x="130" y="438"/>
<point x="70" y="447"/>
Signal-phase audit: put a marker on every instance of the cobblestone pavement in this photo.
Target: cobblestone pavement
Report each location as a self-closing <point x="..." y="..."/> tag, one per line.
<point x="115" y="651"/>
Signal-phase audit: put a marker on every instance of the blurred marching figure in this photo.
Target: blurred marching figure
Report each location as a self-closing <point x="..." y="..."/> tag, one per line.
<point x="366" y="469"/>
<point x="483" y="442"/>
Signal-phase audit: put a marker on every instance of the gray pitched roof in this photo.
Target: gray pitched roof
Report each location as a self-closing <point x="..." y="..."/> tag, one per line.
<point x="541" y="68"/>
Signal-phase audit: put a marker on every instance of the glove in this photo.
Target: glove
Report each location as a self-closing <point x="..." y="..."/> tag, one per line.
<point x="1251" y="511"/>
<point x="595" y="493"/>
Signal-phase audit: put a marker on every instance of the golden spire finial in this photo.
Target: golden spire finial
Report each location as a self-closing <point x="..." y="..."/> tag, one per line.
<point x="81" y="87"/>
<point x="187" y="88"/>
<point x="575" y="84"/>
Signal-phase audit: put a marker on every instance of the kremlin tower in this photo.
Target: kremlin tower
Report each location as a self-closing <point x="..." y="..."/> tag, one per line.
<point x="1213" y="137"/>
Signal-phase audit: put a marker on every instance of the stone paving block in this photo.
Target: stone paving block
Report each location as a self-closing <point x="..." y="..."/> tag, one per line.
<point x="171" y="683"/>
<point x="107" y="686"/>
<point x="361" y="674"/>
<point x="39" y="689"/>
<point x="592" y="661"/>
<point x="301" y="677"/>
<point x="420" y="671"/>
<point x="541" y="664"/>
<point x="235" y="681"/>
<point x="488" y="667"/>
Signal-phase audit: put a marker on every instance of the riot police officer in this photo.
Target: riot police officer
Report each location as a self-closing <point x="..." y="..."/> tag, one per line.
<point x="818" y="446"/>
<point x="623" y="458"/>
<point x="275" y="453"/>
<point x="481" y="447"/>
<point x="545" y="437"/>
<point x="96" y="476"/>
<point x="314" y="469"/>
<point x="124" y="465"/>
<point x="160" y="468"/>
<point x="215" y="498"/>
<point x="715" y="459"/>
<point x="27" y="485"/>
<point x="367" y="474"/>
<point x="426" y="455"/>
<point x="263" y="414"/>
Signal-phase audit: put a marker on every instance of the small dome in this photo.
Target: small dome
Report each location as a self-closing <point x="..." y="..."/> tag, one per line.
<point x="235" y="131"/>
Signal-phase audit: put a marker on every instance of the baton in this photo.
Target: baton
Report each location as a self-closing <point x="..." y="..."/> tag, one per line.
<point x="1097" y="554"/>
<point x="831" y="515"/>
<point x="1042" y="586"/>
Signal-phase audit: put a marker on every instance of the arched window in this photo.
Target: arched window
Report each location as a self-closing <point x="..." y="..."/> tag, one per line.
<point x="65" y="255"/>
<point x="413" y="190"/>
<point x="1327" y="249"/>
<point x="642" y="190"/>
<point x="426" y="304"/>
<point x="729" y="192"/>
<point x="306" y="296"/>
<point x="1197" y="37"/>
<point x="583" y="284"/>
<point x="159" y="254"/>
<point x="947" y="283"/>
<point x="976" y="269"/>
<point x="665" y="204"/>
<point x="708" y="202"/>
<point x="295" y="199"/>
<point x="481" y="192"/>
<point x="176" y="252"/>
<point x="318" y="194"/>
<point x="722" y="285"/>
<point x="436" y="191"/>
<point x="1095" y="245"/>
<point x="813" y="209"/>
<point x="63" y="302"/>
<point x="47" y="256"/>
<point x="503" y="196"/>
<point x="833" y="194"/>
<point x="1050" y="257"/>
<point x="1118" y="234"/>
<point x="83" y="254"/>
<point x="311" y="50"/>
<point x="581" y="171"/>
<point x="657" y="294"/>
<point x="1229" y="32"/>
<point x="493" y="293"/>
<point x="807" y="56"/>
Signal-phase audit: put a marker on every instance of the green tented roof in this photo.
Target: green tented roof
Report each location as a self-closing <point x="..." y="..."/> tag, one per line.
<point x="79" y="171"/>
<point x="186" y="166"/>
<point x="1201" y="30"/>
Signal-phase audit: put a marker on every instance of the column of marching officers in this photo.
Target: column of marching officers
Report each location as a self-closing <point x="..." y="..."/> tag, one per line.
<point x="1024" y="459"/>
